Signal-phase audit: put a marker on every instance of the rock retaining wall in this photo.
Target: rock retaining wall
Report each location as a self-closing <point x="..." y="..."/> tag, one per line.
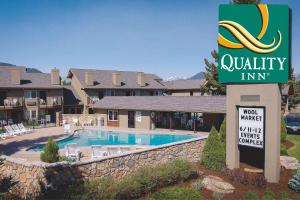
<point x="32" y="177"/>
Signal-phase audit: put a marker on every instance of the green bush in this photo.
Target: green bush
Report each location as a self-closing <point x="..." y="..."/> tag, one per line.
<point x="294" y="183"/>
<point x="283" y="130"/>
<point x="283" y="150"/>
<point x="50" y="154"/>
<point x="222" y="132"/>
<point x="251" y="196"/>
<point x="133" y="186"/>
<point x="213" y="154"/>
<point x="175" y="193"/>
<point x="284" y="196"/>
<point x="149" y="179"/>
<point x="269" y="195"/>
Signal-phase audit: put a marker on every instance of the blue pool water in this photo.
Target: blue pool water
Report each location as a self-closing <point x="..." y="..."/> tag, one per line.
<point x="92" y="137"/>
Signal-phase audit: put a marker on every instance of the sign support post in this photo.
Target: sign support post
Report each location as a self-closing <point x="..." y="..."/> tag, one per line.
<point x="267" y="95"/>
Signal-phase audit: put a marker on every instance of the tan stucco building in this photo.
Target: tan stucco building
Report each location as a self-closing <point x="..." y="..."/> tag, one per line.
<point x="29" y="95"/>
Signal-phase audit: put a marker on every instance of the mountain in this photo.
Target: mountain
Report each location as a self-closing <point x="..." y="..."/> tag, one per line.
<point x="6" y="64"/>
<point x="200" y="75"/>
<point x="175" y="78"/>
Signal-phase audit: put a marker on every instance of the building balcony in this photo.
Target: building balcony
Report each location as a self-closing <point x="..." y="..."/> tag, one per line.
<point x="51" y="102"/>
<point x="12" y="103"/>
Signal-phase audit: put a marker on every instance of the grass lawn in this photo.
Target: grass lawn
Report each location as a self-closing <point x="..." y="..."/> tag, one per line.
<point x="294" y="150"/>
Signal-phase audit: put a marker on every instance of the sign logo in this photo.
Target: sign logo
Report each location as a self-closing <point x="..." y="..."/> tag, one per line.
<point x="253" y="43"/>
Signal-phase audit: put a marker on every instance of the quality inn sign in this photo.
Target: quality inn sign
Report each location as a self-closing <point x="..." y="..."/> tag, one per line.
<point x="253" y="43"/>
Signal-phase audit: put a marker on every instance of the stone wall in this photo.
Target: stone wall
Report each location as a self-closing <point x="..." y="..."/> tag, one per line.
<point x="32" y="177"/>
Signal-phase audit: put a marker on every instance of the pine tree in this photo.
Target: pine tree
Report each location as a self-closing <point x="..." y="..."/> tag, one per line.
<point x="50" y="154"/>
<point x="294" y="183"/>
<point x="222" y="132"/>
<point x="213" y="154"/>
<point x="212" y="85"/>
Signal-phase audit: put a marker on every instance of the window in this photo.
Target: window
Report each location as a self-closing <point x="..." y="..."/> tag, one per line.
<point x="30" y="114"/>
<point x="157" y="93"/>
<point x="191" y="93"/>
<point x="113" y="115"/>
<point x="110" y="93"/>
<point x="31" y="94"/>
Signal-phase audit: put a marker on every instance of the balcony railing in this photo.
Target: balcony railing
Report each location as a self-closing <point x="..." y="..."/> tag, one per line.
<point x="12" y="103"/>
<point x="93" y="100"/>
<point x="50" y="102"/>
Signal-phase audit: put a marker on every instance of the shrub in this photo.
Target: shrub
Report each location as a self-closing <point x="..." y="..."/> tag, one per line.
<point x="218" y="195"/>
<point x="284" y="196"/>
<point x="246" y="178"/>
<point x="149" y="179"/>
<point x="197" y="185"/>
<point x="294" y="183"/>
<point x="269" y="195"/>
<point x="251" y="196"/>
<point x="283" y="150"/>
<point x="176" y="193"/>
<point x="283" y="130"/>
<point x="50" y="154"/>
<point x="213" y="154"/>
<point x="133" y="186"/>
<point x="222" y="132"/>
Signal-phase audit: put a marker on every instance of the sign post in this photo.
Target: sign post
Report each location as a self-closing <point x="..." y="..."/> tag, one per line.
<point x="253" y="58"/>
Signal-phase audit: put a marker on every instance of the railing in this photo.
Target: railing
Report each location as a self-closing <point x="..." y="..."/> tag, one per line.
<point x="93" y="100"/>
<point x="44" y="103"/>
<point x="11" y="103"/>
<point x="50" y="102"/>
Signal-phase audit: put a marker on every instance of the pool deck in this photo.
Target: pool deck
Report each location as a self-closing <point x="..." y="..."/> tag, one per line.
<point x="17" y="146"/>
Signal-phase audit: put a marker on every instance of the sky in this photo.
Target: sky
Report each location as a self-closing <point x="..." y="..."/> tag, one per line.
<point x="165" y="37"/>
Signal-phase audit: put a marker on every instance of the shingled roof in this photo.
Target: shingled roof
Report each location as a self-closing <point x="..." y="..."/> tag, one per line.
<point x="184" y="84"/>
<point x="207" y="104"/>
<point x="128" y="79"/>
<point x="28" y="80"/>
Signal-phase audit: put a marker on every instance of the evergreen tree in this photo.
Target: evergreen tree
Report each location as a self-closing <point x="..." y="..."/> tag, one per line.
<point x="212" y="85"/>
<point x="222" y="132"/>
<point x="294" y="183"/>
<point x="213" y="154"/>
<point x="50" y="154"/>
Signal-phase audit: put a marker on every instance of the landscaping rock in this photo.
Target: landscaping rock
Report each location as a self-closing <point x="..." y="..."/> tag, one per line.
<point x="289" y="162"/>
<point x="217" y="184"/>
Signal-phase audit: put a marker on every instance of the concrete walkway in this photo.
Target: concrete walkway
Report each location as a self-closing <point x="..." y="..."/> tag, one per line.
<point x="17" y="146"/>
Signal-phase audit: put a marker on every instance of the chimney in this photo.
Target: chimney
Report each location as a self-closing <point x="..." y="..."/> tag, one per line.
<point x="116" y="79"/>
<point x="55" y="78"/>
<point x="141" y="79"/>
<point x="15" y="76"/>
<point x="89" y="79"/>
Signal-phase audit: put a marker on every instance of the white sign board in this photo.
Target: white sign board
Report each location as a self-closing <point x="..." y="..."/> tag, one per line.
<point x="251" y="126"/>
<point x="138" y="116"/>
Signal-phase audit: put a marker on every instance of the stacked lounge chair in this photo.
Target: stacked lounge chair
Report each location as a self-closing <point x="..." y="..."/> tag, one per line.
<point x="14" y="130"/>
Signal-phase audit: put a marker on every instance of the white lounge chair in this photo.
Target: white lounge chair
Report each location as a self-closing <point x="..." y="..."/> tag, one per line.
<point x="23" y="128"/>
<point x="4" y="135"/>
<point x="10" y="131"/>
<point x="72" y="151"/>
<point x="67" y="128"/>
<point x="98" y="151"/>
<point x="17" y="129"/>
<point x="113" y="150"/>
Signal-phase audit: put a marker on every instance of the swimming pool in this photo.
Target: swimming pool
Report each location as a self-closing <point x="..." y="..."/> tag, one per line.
<point x="87" y="138"/>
